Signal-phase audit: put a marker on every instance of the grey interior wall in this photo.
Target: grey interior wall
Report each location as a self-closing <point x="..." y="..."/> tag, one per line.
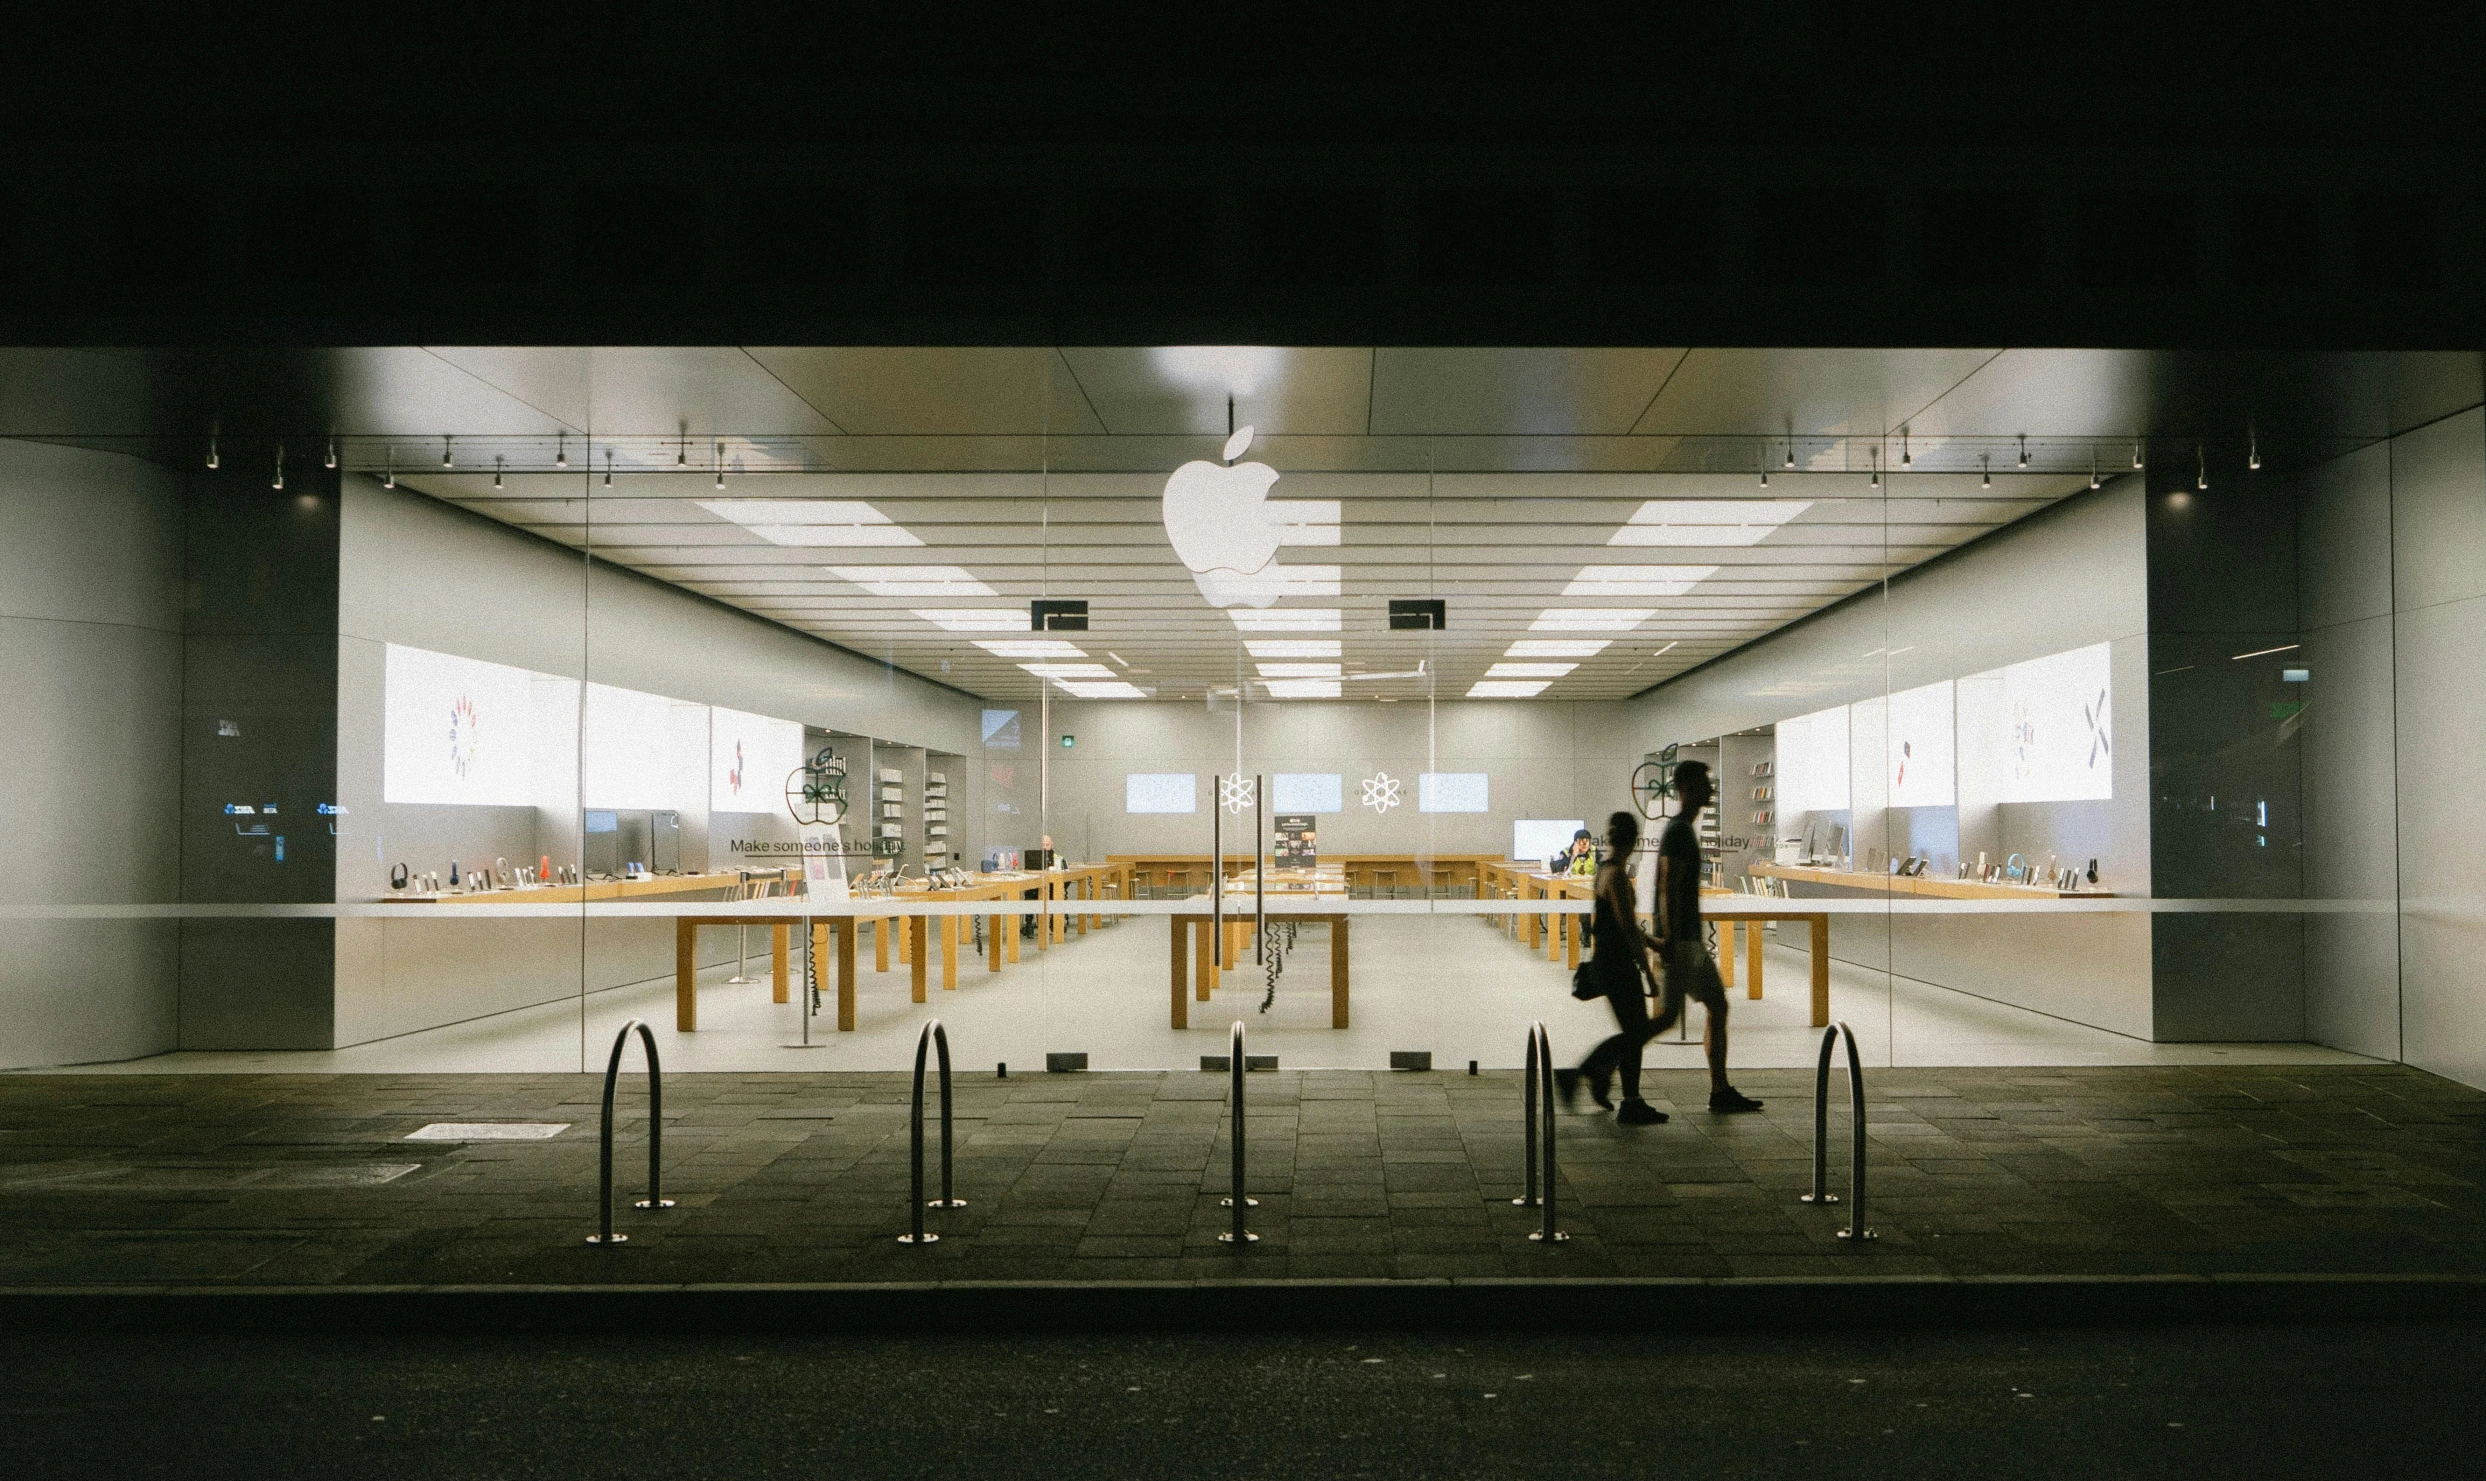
<point x="1541" y="760"/>
<point x="2438" y="545"/>
<point x="421" y="573"/>
<point x="2069" y="576"/>
<point x="90" y="658"/>
<point x="2351" y="854"/>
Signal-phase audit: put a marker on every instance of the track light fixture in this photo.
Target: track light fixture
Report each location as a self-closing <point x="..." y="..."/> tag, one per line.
<point x="213" y="461"/>
<point x="496" y="470"/>
<point x="1985" y="470"/>
<point x="2252" y="453"/>
<point x="390" y="481"/>
<point x="331" y="460"/>
<point x="1873" y="456"/>
<point x="1790" y="454"/>
<point x="278" y="483"/>
<point x="2201" y="468"/>
<point x="561" y="450"/>
<point x="2024" y="449"/>
<point x="2094" y="482"/>
<point x="447" y="459"/>
<point x="608" y="467"/>
<point x="2136" y="452"/>
<point x="1764" y="461"/>
<point x="720" y="465"/>
<point x="1906" y="458"/>
<point x="682" y="454"/>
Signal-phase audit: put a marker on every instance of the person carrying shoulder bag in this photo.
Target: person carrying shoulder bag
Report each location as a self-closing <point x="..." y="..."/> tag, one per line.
<point x="1689" y="970"/>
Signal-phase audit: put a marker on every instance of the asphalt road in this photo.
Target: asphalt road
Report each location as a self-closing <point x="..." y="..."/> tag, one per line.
<point x="2259" y="1401"/>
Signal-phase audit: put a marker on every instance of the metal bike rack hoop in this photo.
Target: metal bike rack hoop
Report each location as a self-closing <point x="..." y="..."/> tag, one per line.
<point x="1238" y="1236"/>
<point x="655" y="1133"/>
<point x="1540" y="1094"/>
<point x="933" y="1037"/>
<point x="1821" y="1193"/>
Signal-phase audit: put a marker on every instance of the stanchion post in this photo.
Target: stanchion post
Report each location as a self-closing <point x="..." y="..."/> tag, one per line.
<point x="1238" y="1236"/>
<point x="604" y="1234"/>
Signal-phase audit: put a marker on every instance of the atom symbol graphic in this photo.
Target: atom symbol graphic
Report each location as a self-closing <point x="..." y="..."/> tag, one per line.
<point x="1234" y="793"/>
<point x="1381" y="792"/>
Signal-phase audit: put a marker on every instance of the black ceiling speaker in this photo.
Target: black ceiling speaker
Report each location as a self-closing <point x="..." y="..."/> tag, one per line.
<point x="1419" y="614"/>
<point x="1057" y="617"/>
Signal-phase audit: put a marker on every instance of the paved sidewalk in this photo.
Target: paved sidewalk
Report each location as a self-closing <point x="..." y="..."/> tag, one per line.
<point x="299" y="1180"/>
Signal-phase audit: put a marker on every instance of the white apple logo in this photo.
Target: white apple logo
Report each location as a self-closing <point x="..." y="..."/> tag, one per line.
<point x="1220" y="522"/>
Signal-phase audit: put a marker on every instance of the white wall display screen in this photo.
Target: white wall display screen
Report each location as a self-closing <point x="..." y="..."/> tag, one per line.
<point x="1923" y="752"/>
<point x="1451" y="791"/>
<point x="627" y="758"/>
<point x="1160" y="792"/>
<point x="749" y="759"/>
<point x="456" y="730"/>
<point x="1307" y="791"/>
<point x="2061" y="741"/>
<point x="1811" y="764"/>
<point x="1542" y="838"/>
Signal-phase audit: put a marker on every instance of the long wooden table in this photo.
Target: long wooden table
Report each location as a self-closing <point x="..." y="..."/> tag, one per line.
<point x="1560" y="933"/>
<point x="1194" y="935"/>
<point x="910" y="939"/>
<point x="1361" y="871"/>
<point x="1928" y="886"/>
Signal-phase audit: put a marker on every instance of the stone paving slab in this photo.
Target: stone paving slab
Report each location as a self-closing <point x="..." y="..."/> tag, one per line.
<point x="308" y="1180"/>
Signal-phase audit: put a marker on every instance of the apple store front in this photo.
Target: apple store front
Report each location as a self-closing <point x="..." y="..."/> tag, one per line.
<point x="2063" y="708"/>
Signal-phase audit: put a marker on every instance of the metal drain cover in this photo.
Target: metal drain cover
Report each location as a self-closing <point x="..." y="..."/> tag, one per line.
<point x="488" y="1131"/>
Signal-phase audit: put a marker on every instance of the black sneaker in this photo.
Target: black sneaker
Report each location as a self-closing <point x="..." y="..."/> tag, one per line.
<point x="1730" y="1101"/>
<point x="1637" y="1112"/>
<point x="1567" y="1085"/>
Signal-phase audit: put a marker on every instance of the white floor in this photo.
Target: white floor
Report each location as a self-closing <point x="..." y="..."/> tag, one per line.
<point x="1459" y="989"/>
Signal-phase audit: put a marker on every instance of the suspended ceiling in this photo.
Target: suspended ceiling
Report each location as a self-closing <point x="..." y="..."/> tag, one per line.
<point x="1508" y="482"/>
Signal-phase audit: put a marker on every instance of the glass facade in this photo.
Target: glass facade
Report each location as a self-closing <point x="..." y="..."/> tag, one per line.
<point x="1095" y="699"/>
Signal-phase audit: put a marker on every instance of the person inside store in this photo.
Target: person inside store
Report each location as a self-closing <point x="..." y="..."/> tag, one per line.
<point x="1581" y="858"/>
<point x="1622" y="962"/>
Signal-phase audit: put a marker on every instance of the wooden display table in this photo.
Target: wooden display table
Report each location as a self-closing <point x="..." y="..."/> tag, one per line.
<point x="1928" y="886"/>
<point x="909" y="938"/>
<point x="1361" y="871"/>
<point x="645" y="887"/>
<point x="1190" y="928"/>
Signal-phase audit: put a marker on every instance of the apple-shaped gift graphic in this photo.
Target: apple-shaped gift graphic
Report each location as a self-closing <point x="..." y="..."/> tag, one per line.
<point x="1219" y="519"/>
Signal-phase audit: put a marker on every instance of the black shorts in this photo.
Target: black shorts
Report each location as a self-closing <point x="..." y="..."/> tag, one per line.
<point x="1691" y="972"/>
